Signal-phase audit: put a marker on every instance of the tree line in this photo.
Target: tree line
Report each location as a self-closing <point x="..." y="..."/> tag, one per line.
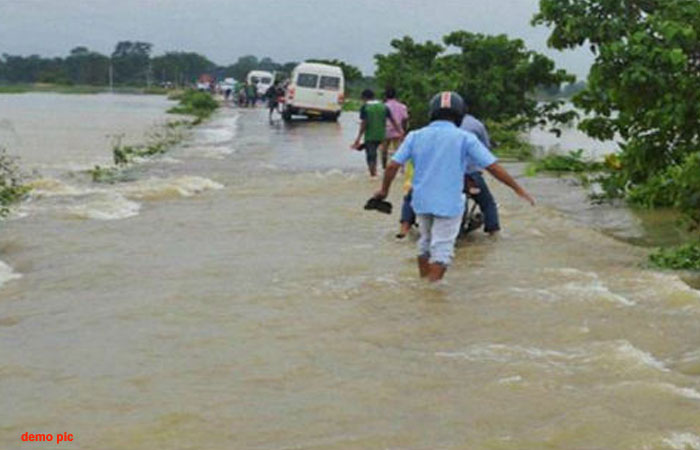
<point x="130" y="64"/>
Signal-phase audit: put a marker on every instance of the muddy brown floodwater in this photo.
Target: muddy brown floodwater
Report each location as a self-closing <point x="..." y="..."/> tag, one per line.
<point x="236" y="296"/>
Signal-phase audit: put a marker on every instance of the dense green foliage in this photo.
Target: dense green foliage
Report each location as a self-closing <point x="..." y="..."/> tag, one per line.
<point x="683" y="257"/>
<point x="131" y="62"/>
<point x="494" y="73"/>
<point x="508" y="141"/>
<point x="573" y="162"/>
<point x="180" y="68"/>
<point x="12" y="189"/>
<point x="132" y="65"/>
<point x="644" y="85"/>
<point x="195" y="103"/>
<point x="350" y="72"/>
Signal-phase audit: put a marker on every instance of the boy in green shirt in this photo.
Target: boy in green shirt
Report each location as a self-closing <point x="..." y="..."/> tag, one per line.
<point x="373" y="116"/>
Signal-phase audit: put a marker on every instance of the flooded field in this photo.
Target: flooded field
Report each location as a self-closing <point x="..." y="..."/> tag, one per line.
<point x="235" y="295"/>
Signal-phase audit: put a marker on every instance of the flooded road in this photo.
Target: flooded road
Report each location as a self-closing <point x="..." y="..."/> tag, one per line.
<point x="236" y="296"/>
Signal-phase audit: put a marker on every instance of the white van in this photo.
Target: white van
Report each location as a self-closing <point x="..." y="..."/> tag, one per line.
<point x="315" y="90"/>
<point x="262" y="80"/>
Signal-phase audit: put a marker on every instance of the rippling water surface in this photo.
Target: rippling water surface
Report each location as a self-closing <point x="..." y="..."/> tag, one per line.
<point x="236" y="296"/>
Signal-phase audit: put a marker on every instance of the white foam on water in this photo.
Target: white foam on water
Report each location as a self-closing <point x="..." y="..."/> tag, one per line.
<point x="19" y="212"/>
<point x="330" y="173"/>
<point x="105" y="206"/>
<point x="511" y="380"/>
<point x="208" y="152"/>
<point x="597" y="290"/>
<point x="571" y="272"/>
<point x="70" y="166"/>
<point x="215" y="135"/>
<point x="625" y="351"/>
<point x="674" y="282"/>
<point x="163" y="159"/>
<point x="535" y="232"/>
<point x="539" y="294"/>
<point x="161" y="188"/>
<point x="683" y="441"/>
<point x="7" y="274"/>
<point x="683" y="391"/>
<point x="51" y="187"/>
<point x="504" y="353"/>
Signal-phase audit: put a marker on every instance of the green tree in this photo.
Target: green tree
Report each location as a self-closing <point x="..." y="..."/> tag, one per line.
<point x="180" y="67"/>
<point x="131" y="62"/>
<point x="242" y="66"/>
<point x="494" y="73"/>
<point x="644" y="84"/>
<point x="86" y="67"/>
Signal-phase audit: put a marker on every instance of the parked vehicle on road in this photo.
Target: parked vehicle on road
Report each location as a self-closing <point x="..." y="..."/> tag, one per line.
<point x="262" y="79"/>
<point x="315" y="90"/>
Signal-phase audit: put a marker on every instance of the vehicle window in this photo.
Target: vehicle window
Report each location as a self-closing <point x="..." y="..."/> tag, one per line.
<point x="307" y="80"/>
<point x="266" y="80"/>
<point x="330" y="83"/>
<point x="254" y="79"/>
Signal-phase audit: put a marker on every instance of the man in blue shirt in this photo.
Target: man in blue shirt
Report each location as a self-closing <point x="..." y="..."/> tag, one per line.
<point x="441" y="153"/>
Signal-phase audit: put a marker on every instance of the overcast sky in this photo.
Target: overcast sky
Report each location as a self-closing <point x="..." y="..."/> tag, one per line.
<point x="285" y="30"/>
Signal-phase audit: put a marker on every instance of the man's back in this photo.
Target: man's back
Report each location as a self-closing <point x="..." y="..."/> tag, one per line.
<point x="440" y="153"/>
<point x="474" y="125"/>
<point x="399" y="112"/>
<point x="375" y="114"/>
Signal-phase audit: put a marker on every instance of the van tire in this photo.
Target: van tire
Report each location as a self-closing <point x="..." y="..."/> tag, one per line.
<point x="333" y="117"/>
<point x="287" y="115"/>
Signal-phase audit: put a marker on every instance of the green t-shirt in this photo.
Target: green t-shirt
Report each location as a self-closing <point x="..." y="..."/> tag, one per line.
<point x="375" y="113"/>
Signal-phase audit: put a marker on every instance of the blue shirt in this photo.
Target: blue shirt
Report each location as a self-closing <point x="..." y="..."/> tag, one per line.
<point x="441" y="153"/>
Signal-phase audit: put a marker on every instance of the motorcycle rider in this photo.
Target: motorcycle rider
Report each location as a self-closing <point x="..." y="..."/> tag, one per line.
<point x="441" y="153"/>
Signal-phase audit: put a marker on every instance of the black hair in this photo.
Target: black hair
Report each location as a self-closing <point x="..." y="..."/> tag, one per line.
<point x="447" y="114"/>
<point x="367" y="94"/>
<point x="390" y="93"/>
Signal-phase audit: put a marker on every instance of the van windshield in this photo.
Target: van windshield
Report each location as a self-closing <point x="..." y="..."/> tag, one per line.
<point x="266" y="80"/>
<point x="307" y="80"/>
<point x="254" y="79"/>
<point x="330" y="83"/>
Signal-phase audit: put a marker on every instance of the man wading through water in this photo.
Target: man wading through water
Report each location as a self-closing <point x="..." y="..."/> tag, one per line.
<point x="373" y="115"/>
<point x="441" y="154"/>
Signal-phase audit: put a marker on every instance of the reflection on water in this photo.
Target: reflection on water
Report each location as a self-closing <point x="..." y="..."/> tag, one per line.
<point x="270" y="311"/>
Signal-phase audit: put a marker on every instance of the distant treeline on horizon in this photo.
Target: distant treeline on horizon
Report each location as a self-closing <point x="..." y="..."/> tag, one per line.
<point x="131" y="64"/>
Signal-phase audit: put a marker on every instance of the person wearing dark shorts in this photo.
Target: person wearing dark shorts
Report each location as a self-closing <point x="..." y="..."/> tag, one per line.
<point x="373" y="117"/>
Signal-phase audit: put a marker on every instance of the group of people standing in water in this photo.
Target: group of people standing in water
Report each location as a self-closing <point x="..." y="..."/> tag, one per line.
<point x="442" y="163"/>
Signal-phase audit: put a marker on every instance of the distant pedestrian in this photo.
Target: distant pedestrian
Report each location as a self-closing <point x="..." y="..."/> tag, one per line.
<point x="251" y="93"/>
<point x="399" y="112"/>
<point x="273" y="94"/>
<point x="242" y="99"/>
<point x="373" y="117"/>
